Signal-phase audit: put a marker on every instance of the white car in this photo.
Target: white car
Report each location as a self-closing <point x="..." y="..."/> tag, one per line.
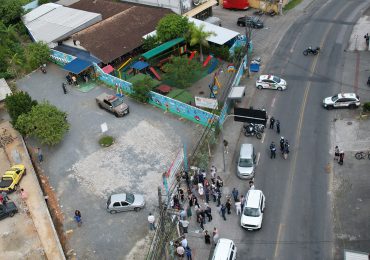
<point x="342" y="100"/>
<point x="271" y="82"/>
<point x="254" y="207"/>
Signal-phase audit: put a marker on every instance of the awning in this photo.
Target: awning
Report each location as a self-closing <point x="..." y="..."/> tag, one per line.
<point x="237" y="92"/>
<point x="77" y="66"/>
<point x="139" y="65"/>
<point x="108" y="69"/>
<point x="161" y="48"/>
<point x="200" y="8"/>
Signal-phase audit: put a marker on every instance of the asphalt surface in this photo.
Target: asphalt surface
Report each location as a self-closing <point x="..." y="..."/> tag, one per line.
<point x="298" y="220"/>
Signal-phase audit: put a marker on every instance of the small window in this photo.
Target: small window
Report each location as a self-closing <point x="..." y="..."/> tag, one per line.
<point x="116" y="204"/>
<point x="231" y="255"/>
<point x="124" y="203"/>
<point x="107" y="102"/>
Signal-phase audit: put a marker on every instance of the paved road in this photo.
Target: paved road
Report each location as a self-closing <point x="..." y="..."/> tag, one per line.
<point x="297" y="223"/>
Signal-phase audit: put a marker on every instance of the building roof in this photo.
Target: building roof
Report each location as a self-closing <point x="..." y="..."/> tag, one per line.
<point x="4" y="89"/>
<point x="77" y="66"/>
<point x="161" y="48"/>
<point x="52" y="22"/>
<point x="120" y="33"/>
<point x="105" y="8"/>
<point x="222" y="36"/>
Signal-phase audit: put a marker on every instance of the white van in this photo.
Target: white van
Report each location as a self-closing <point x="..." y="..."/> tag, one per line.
<point x="225" y="250"/>
<point x="246" y="162"/>
<point x="252" y="213"/>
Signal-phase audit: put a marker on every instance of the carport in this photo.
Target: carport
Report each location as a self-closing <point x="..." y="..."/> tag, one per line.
<point x="79" y="70"/>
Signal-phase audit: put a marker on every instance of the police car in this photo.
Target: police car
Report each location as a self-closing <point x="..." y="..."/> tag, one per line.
<point x="342" y="100"/>
<point x="270" y="82"/>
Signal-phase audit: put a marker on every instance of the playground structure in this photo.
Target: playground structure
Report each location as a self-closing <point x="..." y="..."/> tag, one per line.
<point x="122" y="66"/>
<point x="215" y="84"/>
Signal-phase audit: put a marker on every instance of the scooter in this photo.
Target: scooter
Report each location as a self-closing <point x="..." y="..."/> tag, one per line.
<point x="43" y="68"/>
<point x="64" y="86"/>
<point x="311" y="51"/>
<point x="253" y="129"/>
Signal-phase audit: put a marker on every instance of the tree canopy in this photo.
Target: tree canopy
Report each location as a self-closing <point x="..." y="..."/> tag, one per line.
<point x="11" y="11"/>
<point x="37" y="53"/>
<point x="181" y="71"/>
<point x="199" y="36"/>
<point x="17" y="104"/>
<point x="142" y="88"/>
<point x="172" y="26"/>
<point x="45" y="122"/>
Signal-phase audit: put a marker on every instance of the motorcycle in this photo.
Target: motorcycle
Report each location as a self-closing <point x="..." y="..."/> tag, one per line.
<point x="311" y="51"/>
<point x="43" y="68"/>
<point x="253" y="129"/>
<point x="64" y="86"/>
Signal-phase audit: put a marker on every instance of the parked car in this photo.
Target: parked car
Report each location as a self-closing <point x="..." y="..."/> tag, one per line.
<point x="254" y="207"/>
<point x="125" y="202"/>
<point x="8" y="210"/>
<point x="113" y="104"/>
<point x="247" y="162"/>
<point x="225" y="250"/>
<point x="342" y="100"/>
<point x="250" y="21"/>
<point x="11" y="178"/>
<point x="271" y="82"/>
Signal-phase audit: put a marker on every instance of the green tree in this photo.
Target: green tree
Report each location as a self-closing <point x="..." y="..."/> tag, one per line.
<point x="17" y="104"/>
<point x="45" y="122"/>
<point x="199" y="36"/>
<point x="11" y="11"/>
<point x="172" y="26"/>
<point x="181" y="71"/>
<point x="41" y="2"/>
<point x="150" y="42"/>
<point x="142" y="88"/>
<point x="37" y="53"/>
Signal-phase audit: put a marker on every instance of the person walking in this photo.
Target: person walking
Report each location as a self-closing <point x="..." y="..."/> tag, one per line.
<point x="336" y="153"/>
<point x="218" y="198"/>
<point x="272" y="122"/>
<point x="184" y="224"/>
<point x="208" y="212"/>
<point x="78" y="217"/>
<point x="273" y="150"/>
<point x="341" y="158"/>
<point x="188" y="253"/>
<point x="286" y="150"/>
<point x="228" y="206"/>
<point x="207" y="237"/>
<point x="215" y="235"/>
<point x="242" y="201"/>
<point x="206" y="192"/>
<point x="282" y="143"/>
<point x="213" y="173"/>
<point x="188" y="213"/>
<point x="40" y="156"/>
<point x="226" y="146"/>
<point x="238" y="207"/>
<point x="214" y="192"/>
<point x="151" y="221"/>
<point x="223" y="211"/>
<point x="201" y="221"/>
<point x="278" y="126"/>
<point x="235" y="194"/>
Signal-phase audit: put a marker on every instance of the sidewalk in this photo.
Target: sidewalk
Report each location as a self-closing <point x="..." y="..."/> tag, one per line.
<point x="232" y="132"/>
<point x="18" y="154"/>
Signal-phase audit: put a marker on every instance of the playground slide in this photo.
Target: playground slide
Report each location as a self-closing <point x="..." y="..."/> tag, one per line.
<point x="192" y="55"/>
<point x="155" y="73"/>
<point x="207" y="60"/>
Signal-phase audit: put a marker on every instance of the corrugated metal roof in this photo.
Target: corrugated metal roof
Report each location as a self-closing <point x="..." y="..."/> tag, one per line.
<point x="51" y="22"/>
<point x="4" y="89"/>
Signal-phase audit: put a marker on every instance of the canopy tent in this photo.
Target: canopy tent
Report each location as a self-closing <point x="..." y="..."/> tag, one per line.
<point x="108" y="69"/>
<point x="140" y="65"/>
<point x="77" y="66"/>
<point x="161" y="48"/>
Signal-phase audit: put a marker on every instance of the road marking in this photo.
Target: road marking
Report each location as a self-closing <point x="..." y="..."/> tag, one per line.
<point x="258" y="158"/>
<point x="273" y="102"/>
<point x="263" y="137"/>
<point x="357" y="72"/>
<point x="286" y="201"/>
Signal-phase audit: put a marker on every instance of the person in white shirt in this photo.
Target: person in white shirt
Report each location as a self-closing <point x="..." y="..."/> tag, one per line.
<point x="238" y="206"/>
<point x="184" y="242"/>
<point x="151" y="220"/>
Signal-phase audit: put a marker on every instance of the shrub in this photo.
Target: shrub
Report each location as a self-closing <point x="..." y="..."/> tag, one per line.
<point x="106" y="141"/>
<point x="366" y="107"/>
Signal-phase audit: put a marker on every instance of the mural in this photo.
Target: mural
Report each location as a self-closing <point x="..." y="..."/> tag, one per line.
<point x="61" y="58"/>
<point x="112" y="81"/>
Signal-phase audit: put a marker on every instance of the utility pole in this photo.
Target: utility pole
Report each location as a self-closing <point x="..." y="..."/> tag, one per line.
<point x="248" y="35"/>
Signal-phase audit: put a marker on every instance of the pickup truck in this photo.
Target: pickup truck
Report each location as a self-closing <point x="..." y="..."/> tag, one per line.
<point x="112" y="104"/>
<point x="8" y="210"/>
<point x="11" y="178"/>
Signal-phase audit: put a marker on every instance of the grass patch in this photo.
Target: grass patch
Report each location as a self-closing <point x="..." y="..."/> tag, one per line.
<point x="291" y="5"/>
<point x="181" y="95"/>
<point x="106" y="141"/>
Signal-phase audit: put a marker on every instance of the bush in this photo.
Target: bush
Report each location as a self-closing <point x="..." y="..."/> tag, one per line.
<point x="106" y="141"/>
<point x="17" y="104"/>
<point x="366" y="107"/>
<point x="142" y="88"/>
<point x="221" y="52"/>
<point x="150" y="43"/>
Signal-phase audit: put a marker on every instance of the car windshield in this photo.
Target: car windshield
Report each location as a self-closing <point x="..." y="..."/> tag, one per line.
<point x="245" y="162"/>
<point x="117" y="102"/>
<point x="276" y="79"/>
<point x="334" y="98"/>
<point x="252" y="212"/>
<point x="130" y="198"/>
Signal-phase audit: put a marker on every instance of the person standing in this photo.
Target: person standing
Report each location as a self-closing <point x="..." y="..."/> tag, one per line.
<point x="151" y="220"/>
<point x="213" y="174"/>
<point x="278" y="126"/>
<point x="207" y="237"/>
<point x="228" y="206"/>
<point x="223" y="211"/>
<point x="273" y="150"/>
<point x="201" y="221"/>
<point x="188" y="213"/>
<point x="280" y="7"/>
<point x="218" y="197"/>
<point x="78" y="217"/>
<point x="184" y="242"/>
<point x="336" y="153"/>
<point x="286" y="150"/>
<point x="235" y="194"/>
<point x="215" y="235"/>
<point x="226" y="146"/>
<point x="208" y="212"/>
<point x="206" y="192"/>
<point x="242" y="201"/>
<point x="282" y="143"/>
<point x="180" y="251"/>
<point x="188" y="253"/>
<point x="272" y="122"/>
<point x="40" y="156"/>
<point x="238" y="207"/>
<point x="251" y="185"/>
<point x="341" y="158"/>
<point x="184" y="225"/>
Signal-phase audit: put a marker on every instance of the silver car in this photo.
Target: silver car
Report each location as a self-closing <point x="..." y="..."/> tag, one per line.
<point x="125" y="202"/>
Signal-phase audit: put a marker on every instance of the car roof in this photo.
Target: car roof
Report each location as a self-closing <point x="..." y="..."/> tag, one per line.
<point x="347" y="95"/>
<point x="262" y="77"/>
<point x="253" y="198"/>
<point x="222" y="249"/>
<point x="118" y="197"/>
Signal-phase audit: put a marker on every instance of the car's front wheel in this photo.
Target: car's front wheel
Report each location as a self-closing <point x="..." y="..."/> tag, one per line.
<point x="112" y="212"/>
<point x="328" y="107"/>
<point x="259" y="87"/>
<point x="280" y="88"/>
<point x="137" y="209"/>
<point x="11" y="214"/>
<point x="352" y="106"/>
